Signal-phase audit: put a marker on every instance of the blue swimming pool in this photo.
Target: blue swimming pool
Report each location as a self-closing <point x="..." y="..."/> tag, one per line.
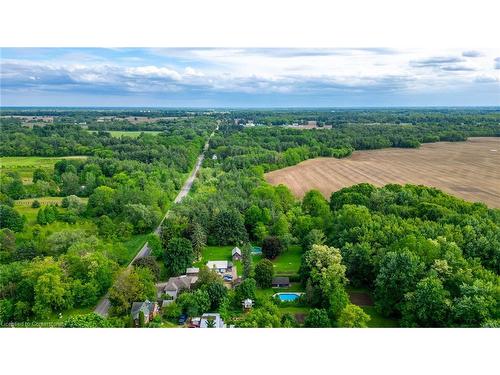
<point x="256" y="250"/>
<point x="287" y="297"/>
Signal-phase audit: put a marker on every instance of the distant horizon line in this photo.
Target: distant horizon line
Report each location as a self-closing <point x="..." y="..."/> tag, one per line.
<point x="255" y="108"/>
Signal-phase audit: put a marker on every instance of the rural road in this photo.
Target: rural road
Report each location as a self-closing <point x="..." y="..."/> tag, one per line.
<point x="103" y="306"/>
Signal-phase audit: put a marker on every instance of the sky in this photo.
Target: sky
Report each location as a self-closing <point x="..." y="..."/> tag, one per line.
<point x="249" y="77"/>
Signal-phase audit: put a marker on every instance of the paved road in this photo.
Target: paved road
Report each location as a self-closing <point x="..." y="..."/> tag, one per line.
<point x="103" y="306"/>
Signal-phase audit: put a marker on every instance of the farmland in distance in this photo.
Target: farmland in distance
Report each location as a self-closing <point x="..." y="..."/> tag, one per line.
<point x="469" y="170"/>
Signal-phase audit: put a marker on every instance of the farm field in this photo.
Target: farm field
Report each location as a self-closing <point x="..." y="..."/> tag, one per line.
<point x="132" y="134"/>
<point x="468" y="170"/>
<point x="25" y="165"/>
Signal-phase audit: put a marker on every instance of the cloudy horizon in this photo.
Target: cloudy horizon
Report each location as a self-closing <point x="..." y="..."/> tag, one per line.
<point x="249" y="77"/>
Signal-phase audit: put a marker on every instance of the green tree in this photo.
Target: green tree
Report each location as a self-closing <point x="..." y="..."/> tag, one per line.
<point x="217" y="292"/>
<point x="314" y="237"/>
<point x="40" y="174"/>
<point x="264" y="272"/>
<point x="91" y="320"/>
<point x="399" y="274"/>
<point x="198" y="239"/>
<point x="246" y="289"/>
<point x="229" y="228"/>
<point x="315" y="204"/>
<point x="353" y="316"/>
<point x="317" y="318"/>
<point x="131" y="286"/>
<point x="477" y="304"/>
<point x="11" y="219"/>
<point x="102" y="201"/>
<point x="267" y="316"/>
<point x="194" y="303"/>
<point x="70" y="183"/>
<point x="149" y="262"/>
<point x="178" y="256"/>
<point x="428" y="305"/>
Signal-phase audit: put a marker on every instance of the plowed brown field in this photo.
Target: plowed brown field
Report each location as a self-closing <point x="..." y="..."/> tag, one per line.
<point x="469" y="170"/>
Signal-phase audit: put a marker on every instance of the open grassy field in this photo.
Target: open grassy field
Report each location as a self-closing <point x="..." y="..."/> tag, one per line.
<point x="133" y="134"/>
<point x="25" y="165"/>
<point x="468" y="170"/>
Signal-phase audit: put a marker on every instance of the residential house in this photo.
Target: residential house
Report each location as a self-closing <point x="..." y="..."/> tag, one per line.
<point x="236" y="254"/>
<point x="148" y="308"/>
<point x="175" y="285"/>
<point x="212" y="320"/>
<point x="281" y="282"/>
<point x="193" y="271"/>
<point x="221" y="266"/>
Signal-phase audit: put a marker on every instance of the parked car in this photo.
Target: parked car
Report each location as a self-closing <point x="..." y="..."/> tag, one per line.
<point x="228" y="277"/>
<point x="182" y="319"/>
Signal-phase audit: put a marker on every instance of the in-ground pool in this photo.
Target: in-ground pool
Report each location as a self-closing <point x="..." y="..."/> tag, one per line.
<point x="287" y="297"/>
<point x="256" y="250"/>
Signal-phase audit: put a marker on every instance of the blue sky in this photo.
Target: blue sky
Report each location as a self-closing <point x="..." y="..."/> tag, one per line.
<point x="249" y="77"/>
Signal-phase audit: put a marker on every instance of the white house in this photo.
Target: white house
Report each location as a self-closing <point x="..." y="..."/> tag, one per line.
<point x="221" y="266"/>
<point x="212" y="317"/>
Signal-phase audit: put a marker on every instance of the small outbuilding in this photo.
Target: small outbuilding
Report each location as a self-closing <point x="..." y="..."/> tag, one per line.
<point x="247" y="304"/>
<point x="281" y="282"/>
<point x="236" y="254"/>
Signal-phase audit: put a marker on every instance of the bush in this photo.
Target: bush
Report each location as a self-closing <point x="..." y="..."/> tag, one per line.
<point x="35" y="204"/>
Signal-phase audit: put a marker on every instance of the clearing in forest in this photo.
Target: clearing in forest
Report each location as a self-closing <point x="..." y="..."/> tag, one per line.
<point x="469" y="170"/>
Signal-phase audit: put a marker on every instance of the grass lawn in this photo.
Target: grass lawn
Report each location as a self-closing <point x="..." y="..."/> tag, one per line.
<point x="124" y="133"/>
<point x="25" y="165"/>
<point x="378" y="321"/>
<point x="288" y="263"/>
<point x="268" y="293"/>
<point x="134" y="244"/>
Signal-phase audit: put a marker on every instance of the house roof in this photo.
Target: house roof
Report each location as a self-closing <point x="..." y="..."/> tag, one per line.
<point x="137" y="307"/>
<point x="236" y="250"/>
<point x="218" y="264"/>
<point x="178" y="283"/>
<point x="281" y="280"/>
<point x="192" y="270"/>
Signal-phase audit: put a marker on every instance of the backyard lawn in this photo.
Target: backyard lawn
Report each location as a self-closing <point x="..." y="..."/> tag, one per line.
<point x="288" y="263"/>
<point x="378" y="321"/>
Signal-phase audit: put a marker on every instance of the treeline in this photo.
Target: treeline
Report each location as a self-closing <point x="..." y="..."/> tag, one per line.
<point x="338" y="116"/>
<point x="276" y="147"/>
<point x="65" y="140"/>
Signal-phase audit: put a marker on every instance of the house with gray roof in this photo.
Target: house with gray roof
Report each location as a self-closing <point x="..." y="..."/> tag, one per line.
<point x="148" y="308"/>
<point x="175" y="285"/>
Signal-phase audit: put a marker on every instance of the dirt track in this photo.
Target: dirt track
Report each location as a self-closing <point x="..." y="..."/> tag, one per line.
<point x="469" y="170"/>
